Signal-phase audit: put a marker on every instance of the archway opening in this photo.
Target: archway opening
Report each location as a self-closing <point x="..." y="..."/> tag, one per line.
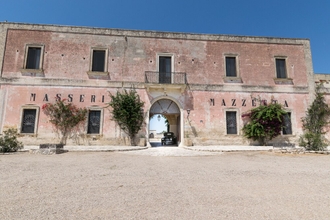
<point x="164" y="123"/>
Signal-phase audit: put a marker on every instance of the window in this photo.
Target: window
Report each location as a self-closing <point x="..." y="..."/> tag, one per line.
<point x="98" y="61"/>
<point x="33" y="57"/>
<point x="231" y="122"/>
<point x="231" y="67"/>
<point x="29" y="121"/>
<point x="165" y="69"/>
<point x="94" y="122"/>
<point x="282" y="76"/>
<point x="287" y="125"/>
<point x="281" y="68"/>
<point x="98" y="66"/>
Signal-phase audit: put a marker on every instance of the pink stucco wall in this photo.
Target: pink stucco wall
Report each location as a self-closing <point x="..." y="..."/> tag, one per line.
<point x="67" y="55"/>
<point x="207" y="116"/>
<point x="66" y="62"/>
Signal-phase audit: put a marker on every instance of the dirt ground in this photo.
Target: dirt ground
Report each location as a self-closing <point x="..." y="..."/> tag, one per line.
<point x="128" y="185"/>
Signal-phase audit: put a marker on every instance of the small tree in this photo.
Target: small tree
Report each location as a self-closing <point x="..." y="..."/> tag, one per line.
<point x="64" y="116"/>
<point x="265" y="122"/>
<point x="315" y="123"/>
<point x="9" y="142"/>
<point x="127" y="112"/>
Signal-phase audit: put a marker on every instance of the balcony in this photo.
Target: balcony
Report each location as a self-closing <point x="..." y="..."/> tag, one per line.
<point x="165" y="78"/>
<point x="165" y="81"/>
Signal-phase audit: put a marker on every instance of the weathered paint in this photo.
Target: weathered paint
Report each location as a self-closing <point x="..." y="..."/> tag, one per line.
<point x="208" y="94"/>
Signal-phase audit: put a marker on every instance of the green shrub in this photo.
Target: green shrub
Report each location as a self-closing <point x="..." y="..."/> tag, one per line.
<point x="315" y="123"/>
<point x="127" y="112"/>
<point x="9" y="142"/>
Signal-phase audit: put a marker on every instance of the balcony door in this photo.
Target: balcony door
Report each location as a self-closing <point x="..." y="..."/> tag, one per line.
<point x="165" y="69"/>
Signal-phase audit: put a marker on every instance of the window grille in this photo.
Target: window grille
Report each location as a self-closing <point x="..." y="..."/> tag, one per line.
<point x="287" y="125"/>
<point x="28" y="121"/>
<point x="94" y="122"/>
<point x="231" y="122"/>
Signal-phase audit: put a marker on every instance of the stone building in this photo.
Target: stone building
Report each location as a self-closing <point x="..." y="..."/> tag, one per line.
<point x="201" y="83"/>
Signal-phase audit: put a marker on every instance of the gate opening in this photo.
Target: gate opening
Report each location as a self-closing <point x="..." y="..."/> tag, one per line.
<point x="164" y="123"/>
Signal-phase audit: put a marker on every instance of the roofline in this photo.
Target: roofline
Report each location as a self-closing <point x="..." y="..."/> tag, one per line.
<point x="152" y="34"/>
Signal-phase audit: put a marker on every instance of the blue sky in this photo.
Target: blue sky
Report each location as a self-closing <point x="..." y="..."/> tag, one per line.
<point x="157" y="124"/>
<point x="280" y="18"/>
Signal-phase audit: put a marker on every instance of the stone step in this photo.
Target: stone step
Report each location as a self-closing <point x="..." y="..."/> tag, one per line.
<point x="238" y="140"/>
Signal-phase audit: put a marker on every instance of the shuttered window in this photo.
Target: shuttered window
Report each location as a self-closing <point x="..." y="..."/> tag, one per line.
<point x="165" y="69"/>
<point x="98" y="61"/>
<point x="33" y="58"/>
<point x="231" y="67"/>
<point x="281" y="68"/>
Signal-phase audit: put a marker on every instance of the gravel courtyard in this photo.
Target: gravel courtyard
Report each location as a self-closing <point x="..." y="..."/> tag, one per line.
<point x="135" y="185"/>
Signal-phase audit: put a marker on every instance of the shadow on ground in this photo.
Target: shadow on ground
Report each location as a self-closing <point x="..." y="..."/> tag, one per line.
<point x="158" y="144"/>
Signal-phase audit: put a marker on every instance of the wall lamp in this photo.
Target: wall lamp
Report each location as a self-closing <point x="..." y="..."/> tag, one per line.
<point x="188" y="112"/>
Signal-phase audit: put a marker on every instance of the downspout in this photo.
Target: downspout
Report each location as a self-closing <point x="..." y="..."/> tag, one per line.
<point x="3" y="41"/>
<point x="124" y="61"/>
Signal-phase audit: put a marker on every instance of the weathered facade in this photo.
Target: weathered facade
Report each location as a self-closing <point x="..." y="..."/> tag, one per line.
<point x="201" y="83"/>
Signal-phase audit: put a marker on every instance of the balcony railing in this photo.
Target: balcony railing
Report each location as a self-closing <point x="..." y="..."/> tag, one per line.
<point x="165" y="78"/>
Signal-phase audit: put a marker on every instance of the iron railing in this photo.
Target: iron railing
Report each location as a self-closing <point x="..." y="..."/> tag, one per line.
<point x="165" y="78"/>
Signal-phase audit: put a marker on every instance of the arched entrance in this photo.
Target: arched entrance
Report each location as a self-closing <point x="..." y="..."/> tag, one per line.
<point x="171" y="111"/>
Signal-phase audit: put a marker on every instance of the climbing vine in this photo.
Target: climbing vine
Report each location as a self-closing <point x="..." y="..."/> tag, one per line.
<point x="265" y="122"/>
<point x="65" y="116"/>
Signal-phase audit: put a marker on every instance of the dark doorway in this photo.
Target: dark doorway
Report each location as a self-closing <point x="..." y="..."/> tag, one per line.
<point x="165" y="69"/>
